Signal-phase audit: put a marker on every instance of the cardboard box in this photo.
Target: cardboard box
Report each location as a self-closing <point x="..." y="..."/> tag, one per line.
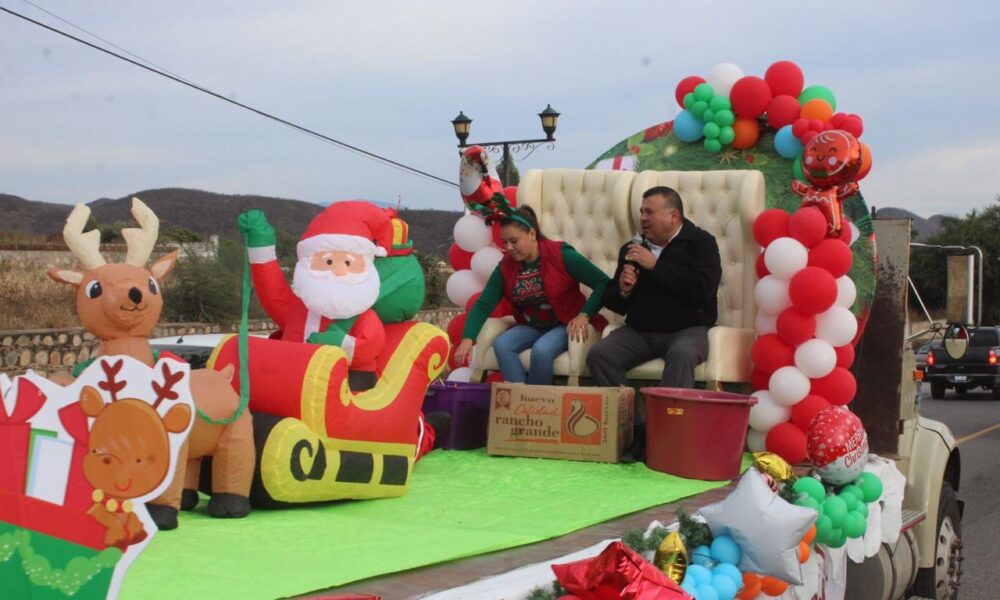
<point x="575" y="423"/>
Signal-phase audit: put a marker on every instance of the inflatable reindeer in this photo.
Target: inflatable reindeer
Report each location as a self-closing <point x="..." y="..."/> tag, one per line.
<point x="120" y="304"/>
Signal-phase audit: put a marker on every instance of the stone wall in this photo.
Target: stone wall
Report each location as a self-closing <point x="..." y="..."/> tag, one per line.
<point x="42" y="255"/>
<point x="51" y="350"/>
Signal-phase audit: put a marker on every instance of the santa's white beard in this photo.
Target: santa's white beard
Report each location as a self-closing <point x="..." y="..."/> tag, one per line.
<point x="469" y="179"/>
<point x="336" y="297"/>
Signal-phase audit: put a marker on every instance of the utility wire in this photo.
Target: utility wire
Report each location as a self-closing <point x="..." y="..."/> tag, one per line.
<point x="163" y="73"/>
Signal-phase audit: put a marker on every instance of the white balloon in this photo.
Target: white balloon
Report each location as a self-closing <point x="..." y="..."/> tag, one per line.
<point x="846" y="292"/>
<point x="485" y="260"/>
<point x="766" y="323"/>
<point x="767" y="413"/>
<point x="722" y="77"/>
<point x="836" y="326"/>
<point x="461" y="286"/>
<point x="756" y="441"/>
<point x="788" y="385"/>
<point x="816" y="358"/>
<point x="771" y="295"/>
<point x="463" y="374"/>
<point x="472" y="233"/>
<point x="855" y="233"/>
<point x="785" y="257"/>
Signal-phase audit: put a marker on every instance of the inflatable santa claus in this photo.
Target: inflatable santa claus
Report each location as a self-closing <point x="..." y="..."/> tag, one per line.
<point x="335" y="283"/>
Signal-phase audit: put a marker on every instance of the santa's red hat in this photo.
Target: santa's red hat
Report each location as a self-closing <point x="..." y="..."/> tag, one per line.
<point x="351" y="226"/>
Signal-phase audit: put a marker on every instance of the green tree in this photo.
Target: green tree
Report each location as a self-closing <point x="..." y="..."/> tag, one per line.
<point x="209" y="290"/>
<point x="183" y="235"/>
<point x="434" y="280"/>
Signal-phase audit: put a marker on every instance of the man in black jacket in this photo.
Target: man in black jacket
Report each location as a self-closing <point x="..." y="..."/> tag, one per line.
<point x="667" y="288"/>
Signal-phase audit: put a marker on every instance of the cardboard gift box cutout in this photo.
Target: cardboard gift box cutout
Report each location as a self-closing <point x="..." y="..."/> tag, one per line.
<point x="80" y="462"/>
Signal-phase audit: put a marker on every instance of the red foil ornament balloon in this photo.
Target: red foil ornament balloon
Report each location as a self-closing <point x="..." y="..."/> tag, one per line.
<point x="830" y="162"/>
<point x="837" y="445"/>
<point x="477" y="177"/>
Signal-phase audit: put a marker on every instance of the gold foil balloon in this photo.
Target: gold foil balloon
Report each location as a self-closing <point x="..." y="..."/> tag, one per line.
<point x="771" y="464"/>
<point x="671" y="557"/>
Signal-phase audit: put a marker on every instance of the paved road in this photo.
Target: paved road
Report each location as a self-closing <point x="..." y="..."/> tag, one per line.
<point x="975" y="422"/>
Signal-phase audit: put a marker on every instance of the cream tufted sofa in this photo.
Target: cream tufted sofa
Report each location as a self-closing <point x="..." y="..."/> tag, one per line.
<point x="598" y="211"/>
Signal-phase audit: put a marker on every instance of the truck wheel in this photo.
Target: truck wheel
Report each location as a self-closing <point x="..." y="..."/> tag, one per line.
<point x="943" y="579"/>
<point x="961" y="390"/>
<point x="937" y="390"/>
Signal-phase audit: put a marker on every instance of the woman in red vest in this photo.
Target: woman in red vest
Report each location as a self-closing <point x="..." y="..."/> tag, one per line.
<point x="541" y="279"/>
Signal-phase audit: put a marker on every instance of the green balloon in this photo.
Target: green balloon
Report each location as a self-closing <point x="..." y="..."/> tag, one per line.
<point x="871" y="486"/>
<point x="836" y="538"/>
<point x="698" y="108"/>
<point x="718" y="103"/>
<point x="811" y="486"/>
<point x="688" y="100"/>
<point x="726" y="134"/>
<point x="797" y="169"/>
<point x="703" y="91"/>
<point x="805" y="500"/>
<point x="724" y="118"/>
<point x="713" y="145"/>
<point x="711" y="130"/>
<point x="817" y="91"/>
<point x="708" y="116"/>
<point x="850" y="500"/>
<point x="823" y="527"/>
<point x="863" y="509"/>
<point x="854" y="525"/>
<point x="854" y="490"/>
<point x="835" y="508"/>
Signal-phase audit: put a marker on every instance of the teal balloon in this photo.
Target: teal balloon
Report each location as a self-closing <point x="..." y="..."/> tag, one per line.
<point x="706" y="592"/>
<point x="708" y="116"/>
<point x="850" y="500"/>
<point x="786" y="144"/>
<point x="871" y="486"/>
<point x="726" y="134"/>
<point x="711" y="130"/>
<point x="725" y="587"/>
<point x="702" y="555"/>
<point x="724" y="118"/>
<point x="835" y="508"/>
<point x="836" y="538"/>
<point x="726" y="550"/>
<point x="854" y="525"/>
<point x="699" y="574"/>
<point x="687" y="127"/>
<point x="806" y="501"/>
<point x="811" y="486"/>
<point x="729" y="571"/>
<point x="817" y="91"/>
<point x="689" y="586"/>
<point x="797" y="169"/>
<point x="703" y="91"/>
<point x="718" y="103"/>
<point x="713" y="145"/>
<point x="688" y="100"/>
<point x="823" y="527"/>
<point x="698" y="108"/>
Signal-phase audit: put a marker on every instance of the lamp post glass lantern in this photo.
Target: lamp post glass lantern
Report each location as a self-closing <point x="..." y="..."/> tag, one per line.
<point x="506" y="168"/>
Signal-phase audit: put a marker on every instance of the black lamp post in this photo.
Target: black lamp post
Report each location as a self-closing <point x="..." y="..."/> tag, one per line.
<point x="506" y="169"/>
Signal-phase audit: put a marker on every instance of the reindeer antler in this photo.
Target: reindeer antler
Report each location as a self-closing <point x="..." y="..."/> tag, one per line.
<point x="84" y="246"/>
<point x="164" y="391"/>
<point x="140" y="242"/>
<point x="111" y="386"/>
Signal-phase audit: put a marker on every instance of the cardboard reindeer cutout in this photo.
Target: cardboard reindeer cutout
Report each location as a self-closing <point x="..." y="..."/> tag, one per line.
<point x="79" y="464"/>
<point x="121" y="304"/>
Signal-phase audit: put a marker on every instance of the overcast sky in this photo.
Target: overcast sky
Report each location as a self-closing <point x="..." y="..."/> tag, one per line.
<point x="77" y="125"/>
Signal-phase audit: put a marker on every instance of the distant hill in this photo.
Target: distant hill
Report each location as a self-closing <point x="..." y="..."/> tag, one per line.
<point x="209" y="213"/>
<point x="923" y="228"/>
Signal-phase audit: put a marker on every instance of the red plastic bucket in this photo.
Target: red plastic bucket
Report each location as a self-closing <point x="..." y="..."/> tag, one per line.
<point x="696" y="434"/>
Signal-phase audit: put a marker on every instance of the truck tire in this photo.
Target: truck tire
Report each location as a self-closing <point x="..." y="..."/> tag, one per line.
<point x="942" y="580"/>
<point x="937" y="390"/>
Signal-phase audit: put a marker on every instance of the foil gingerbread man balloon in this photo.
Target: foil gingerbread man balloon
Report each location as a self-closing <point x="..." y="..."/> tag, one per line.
<point x="830" y="162"/>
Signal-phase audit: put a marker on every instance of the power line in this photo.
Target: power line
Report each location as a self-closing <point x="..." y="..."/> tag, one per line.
<point x="163" y="73"/>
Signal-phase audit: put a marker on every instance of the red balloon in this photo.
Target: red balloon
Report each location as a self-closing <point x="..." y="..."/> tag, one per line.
<point x="750" y="96"/>
<point x="760" y="267"/>
<point x="494" y="377"/>
<point x="787" y="441"/>
<point x="853" y="125"/>
<point x="837" y="445"/>
<point x="845" y="355"/>
<point x="783" y="110"/>
<point x="785" y="77"/>
<point x="833" y="255"/>
<point x="808" y="135"/>
<point x="808" y="225"/>
<point x="800" y="127"/>
<point x="839" y="387"/>
<point x="804" y="410"/>
<point x="759" y="380"/>
<point x="812" y="290"/>
<point x="769" y="353"/>
<point x="838" y="119"/>
<point x="685" y="87"/>
<point x="460" y="260"/>
<point x="497" y="312"/>
<point x="511" y="192"/>
<point x="795" y="326"/>
<point x="770" y="225"/>
<point x="455" y="327"/>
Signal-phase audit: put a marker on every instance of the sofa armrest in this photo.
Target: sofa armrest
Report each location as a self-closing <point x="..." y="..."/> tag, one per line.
<point x="487" y="335"/>
<point x="729" y="354"/>
<point x="578" y="353"/>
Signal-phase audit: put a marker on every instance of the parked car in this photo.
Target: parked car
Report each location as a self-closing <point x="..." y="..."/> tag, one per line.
<point x="194" y="348"/>
<point x="921" y="353"/>
<point x="978" y="367"/>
